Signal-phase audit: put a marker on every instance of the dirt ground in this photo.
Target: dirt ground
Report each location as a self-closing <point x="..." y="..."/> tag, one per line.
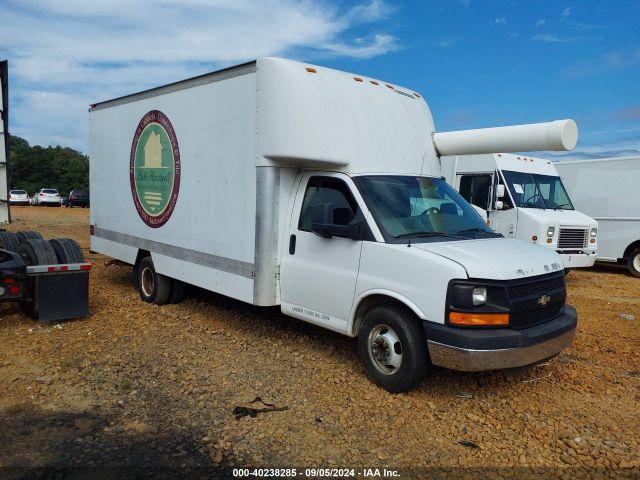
<point x="141" y="388"/>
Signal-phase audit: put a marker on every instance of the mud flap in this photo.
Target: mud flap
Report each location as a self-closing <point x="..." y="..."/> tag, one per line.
<point x="59" y="296"/>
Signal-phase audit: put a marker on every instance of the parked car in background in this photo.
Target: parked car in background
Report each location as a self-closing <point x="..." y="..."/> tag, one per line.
<point x="48" y="196"/>
<point x="18" y="197"/>
<point x="78" y="198"/>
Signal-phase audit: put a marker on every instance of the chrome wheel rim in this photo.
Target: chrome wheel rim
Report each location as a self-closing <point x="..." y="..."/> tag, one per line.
<point x="385" y="349"/>
<point x="148" y="282"/>
<point x="636" y="262"/>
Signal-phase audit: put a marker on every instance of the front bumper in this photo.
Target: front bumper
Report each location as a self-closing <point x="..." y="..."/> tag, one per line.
<point x="473" y="350"/>
<point x="578" y="260"/>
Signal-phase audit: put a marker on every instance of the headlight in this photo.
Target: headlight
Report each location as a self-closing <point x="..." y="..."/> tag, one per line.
<point x="551" y="231"/>
<point x="594" y="232"/>
<point x="479" y="296"/>
<point x="470" y="303"/>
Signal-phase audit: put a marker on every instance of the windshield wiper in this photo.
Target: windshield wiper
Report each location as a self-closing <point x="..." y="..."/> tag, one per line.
<point x="559" y="206"/>
<point x="421" y="234"/>
<point x="478" y="230"/>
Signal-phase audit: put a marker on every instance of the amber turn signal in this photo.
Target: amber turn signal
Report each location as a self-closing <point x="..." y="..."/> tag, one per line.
<point x="478" y="319"/>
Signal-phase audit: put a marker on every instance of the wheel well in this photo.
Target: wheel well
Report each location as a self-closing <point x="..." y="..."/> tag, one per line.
<point x="631" y="248"/>
<point x="371" y="301"/>
<point x="141" y="255"/>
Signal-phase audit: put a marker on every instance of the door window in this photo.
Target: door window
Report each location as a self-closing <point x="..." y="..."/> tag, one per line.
<point x="475" y="189"/>
<point x="327" y="200"/>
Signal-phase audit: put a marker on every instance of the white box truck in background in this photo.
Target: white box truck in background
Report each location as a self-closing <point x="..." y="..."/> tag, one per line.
<point x="608" y="189"/>
<point x="525" y="199"/>
<point x="282" y="183"/>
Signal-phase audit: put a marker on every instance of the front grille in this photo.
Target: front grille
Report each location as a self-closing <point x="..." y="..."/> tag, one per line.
<point x="537" y="287"/>
<point x="531" y="318"/>
<point x="573" y="237"/>
<point x="525" y="295"/>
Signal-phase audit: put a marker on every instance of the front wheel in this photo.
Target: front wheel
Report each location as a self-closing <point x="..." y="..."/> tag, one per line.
<point x="393" y="349"/>
<point x="633" y="263"/>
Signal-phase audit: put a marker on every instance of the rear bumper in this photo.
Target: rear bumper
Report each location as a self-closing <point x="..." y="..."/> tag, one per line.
<point x="473" y="350"/>
<point x="578" y="260"/>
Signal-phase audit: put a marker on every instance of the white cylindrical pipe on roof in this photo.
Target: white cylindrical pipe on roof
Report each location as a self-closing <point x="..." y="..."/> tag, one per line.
<point x="557" y="135"/>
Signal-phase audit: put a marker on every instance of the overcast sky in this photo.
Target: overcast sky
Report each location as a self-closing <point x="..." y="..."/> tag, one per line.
<point x="478" y="63"/>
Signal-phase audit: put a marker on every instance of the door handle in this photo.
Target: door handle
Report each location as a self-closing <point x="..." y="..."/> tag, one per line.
<point x="292" y="244"/>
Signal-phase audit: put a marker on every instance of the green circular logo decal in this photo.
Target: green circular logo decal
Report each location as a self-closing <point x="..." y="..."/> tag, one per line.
<point x="154" y="169"/>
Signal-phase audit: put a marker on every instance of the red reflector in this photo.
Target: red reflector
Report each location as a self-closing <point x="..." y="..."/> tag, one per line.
<point x="85" y="267"/>
<point x="9" y="280"/>
<point x="357" y="79"/>
<point x="14" y="289"/>
<point x="51" y="269"/>
<point x="64" y="268"/>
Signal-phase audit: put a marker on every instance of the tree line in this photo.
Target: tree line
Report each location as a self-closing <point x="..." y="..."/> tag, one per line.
<point x="34" y="167"/>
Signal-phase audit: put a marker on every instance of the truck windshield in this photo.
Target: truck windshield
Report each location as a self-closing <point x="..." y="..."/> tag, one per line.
<point x="420" y="209"/>
<point x="532" y="190"/>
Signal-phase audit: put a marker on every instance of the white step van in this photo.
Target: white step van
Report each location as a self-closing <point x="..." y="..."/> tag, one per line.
<point x="525" y="199"/>
<point x="282" y="183"/>
<point x="607" y="189"/>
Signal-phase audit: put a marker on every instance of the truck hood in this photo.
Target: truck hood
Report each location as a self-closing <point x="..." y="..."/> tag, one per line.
<point x="551" y="217"/>
<point x="497" y="258"/>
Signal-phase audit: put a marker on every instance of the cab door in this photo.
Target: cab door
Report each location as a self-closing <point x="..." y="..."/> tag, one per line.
<point x="504" y="220"/>
<point x="319" y="272"/>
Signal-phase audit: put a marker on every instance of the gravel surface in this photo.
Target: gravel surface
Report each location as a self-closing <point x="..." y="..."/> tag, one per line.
<point x="155" y="388"/>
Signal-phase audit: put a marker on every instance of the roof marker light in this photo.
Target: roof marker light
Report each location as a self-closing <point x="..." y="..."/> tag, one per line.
<point x="311" y="70"/>
<point x="416" y="95"/>
<point x="357" y="79"/>
<point x="374" y="82"/>
<point x="389" y="86"/>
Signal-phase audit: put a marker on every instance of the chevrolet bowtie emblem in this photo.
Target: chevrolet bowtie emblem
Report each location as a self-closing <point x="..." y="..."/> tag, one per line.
<point x="543" y="300"/>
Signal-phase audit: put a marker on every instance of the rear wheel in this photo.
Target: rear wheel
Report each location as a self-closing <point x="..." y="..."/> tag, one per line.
<point x="67" y="250"/>
<point x="9" y="241"/>
<point x="633" y="262"/>
<point x="153" y="287"/>
<point x="393" y="349"/>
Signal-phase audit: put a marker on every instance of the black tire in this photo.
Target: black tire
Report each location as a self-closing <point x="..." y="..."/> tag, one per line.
<point x="179" y="291"/>
<point x="633" y="262"/>
<point x="391" y="321"/>
<point x="37" y="252"/>
<point x="153" y="287"/>
<point x="9" y="241"/>
<point x="28" y="235"/>
<point x="67" y="250"/>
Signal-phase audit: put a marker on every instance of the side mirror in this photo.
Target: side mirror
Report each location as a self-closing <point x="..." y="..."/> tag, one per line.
<point x="328" y="230"/>
<point x="500" y="191"/>
<point x="499" y="204"/>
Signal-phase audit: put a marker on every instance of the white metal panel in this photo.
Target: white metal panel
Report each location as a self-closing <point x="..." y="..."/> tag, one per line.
<point x="117" y="250"/>
<point x="234" y="286"/>
<point x="607" y="189"/>
<point x="415" y="276"/>
<point x="215" y="129"/>
<point x="328" y="119"/>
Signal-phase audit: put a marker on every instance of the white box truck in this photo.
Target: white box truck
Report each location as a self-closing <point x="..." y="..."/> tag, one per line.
<point x="524" y="198"/>
<point x="607" y="189"/>
<point x="282" y="183"/>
